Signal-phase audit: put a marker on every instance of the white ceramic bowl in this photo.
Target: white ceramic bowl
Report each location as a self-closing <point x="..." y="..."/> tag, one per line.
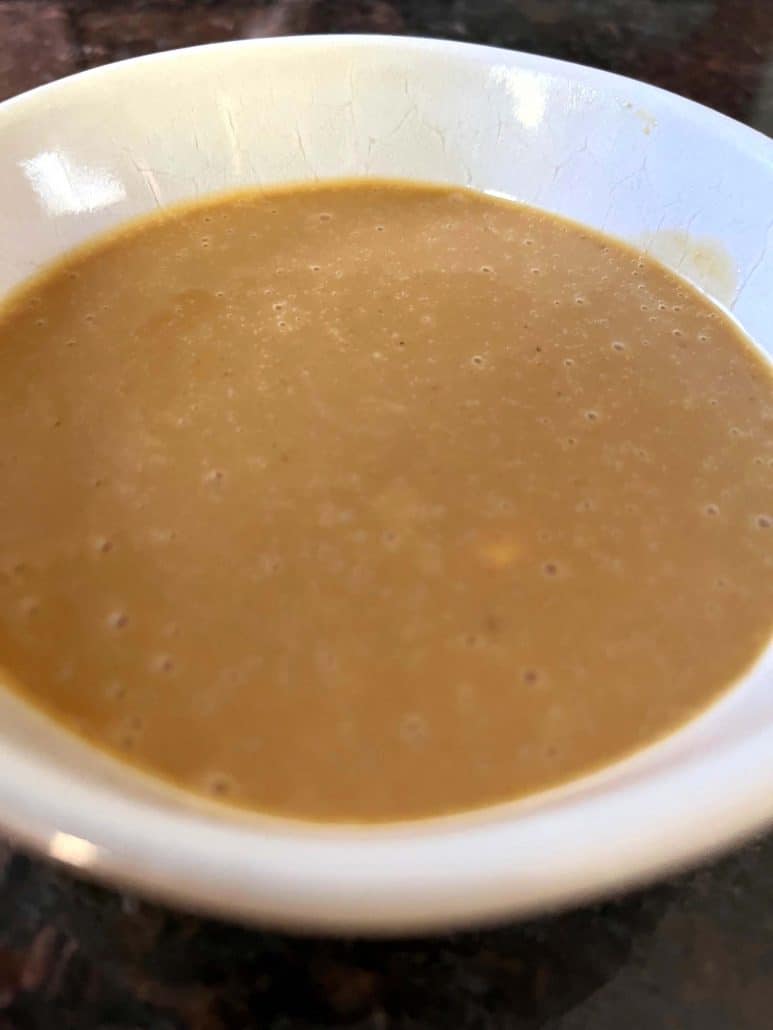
<point x="84" y="154"/>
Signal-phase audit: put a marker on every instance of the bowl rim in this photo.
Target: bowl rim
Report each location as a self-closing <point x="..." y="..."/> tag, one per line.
<point x="408" y="877"/>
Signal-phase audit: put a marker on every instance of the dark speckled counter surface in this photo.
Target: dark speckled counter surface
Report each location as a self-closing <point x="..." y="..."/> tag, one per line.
<point x="694" y="953"/>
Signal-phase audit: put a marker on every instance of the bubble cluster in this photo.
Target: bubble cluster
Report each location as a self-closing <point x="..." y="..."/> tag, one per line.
<point x="163" y="663"/>
<point x="413" y="729"/>
<point x="327" y="659"/>
<point x="269" y="564"/>
<point x="472" y="640"/>
<point x="219" y="784"/>
<point x="161" y="536"/>
<point x="117" y="620"/>
<point x="127" y="739"/>
<point x="115" y="690"/>
<point x="130" y="732"/>
<point x="29" y="606"/>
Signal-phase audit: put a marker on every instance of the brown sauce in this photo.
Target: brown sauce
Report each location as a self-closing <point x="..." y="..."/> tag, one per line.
<point x="367" y="501"/>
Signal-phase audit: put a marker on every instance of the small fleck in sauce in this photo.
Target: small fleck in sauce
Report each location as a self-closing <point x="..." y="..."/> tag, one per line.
<point x="368" y="501"/>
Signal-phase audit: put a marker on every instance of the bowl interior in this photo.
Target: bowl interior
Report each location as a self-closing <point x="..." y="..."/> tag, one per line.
<point x="693" y="188"/>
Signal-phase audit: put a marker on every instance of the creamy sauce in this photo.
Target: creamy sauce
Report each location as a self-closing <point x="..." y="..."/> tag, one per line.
<point x="368" y="501"/>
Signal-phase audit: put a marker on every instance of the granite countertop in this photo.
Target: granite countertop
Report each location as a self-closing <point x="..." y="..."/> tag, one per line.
<point x="694" y="953"/>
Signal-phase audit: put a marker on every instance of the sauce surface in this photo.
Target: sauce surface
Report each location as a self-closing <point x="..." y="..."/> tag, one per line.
<point x="369" y="501"/>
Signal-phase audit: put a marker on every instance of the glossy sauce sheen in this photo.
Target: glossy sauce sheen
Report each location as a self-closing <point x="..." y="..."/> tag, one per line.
<point x="371" y="501"/>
